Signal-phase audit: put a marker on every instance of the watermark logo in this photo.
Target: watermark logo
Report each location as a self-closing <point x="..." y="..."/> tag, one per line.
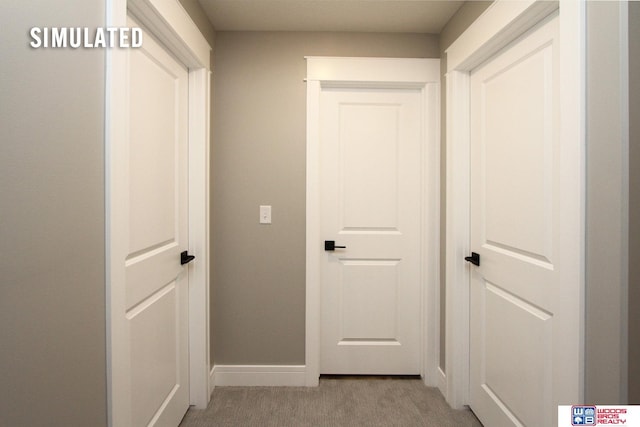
<point x="598" y="415"/>
<point x="77" y="37"/>
<point x="583" y="415"/>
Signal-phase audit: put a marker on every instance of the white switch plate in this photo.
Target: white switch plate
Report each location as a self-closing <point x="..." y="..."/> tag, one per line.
<point x="265" y="214"/>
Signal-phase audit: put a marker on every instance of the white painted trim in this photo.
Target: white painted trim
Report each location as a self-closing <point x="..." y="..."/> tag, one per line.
<point x="501" y="23"/>
<point x="312" y="301"/>
<point x="457" y="276"/>
<point x="573" y="160"/>
<point x="212" y="384"/>
<point x="259" y="375"/>
<point x="484" y="37"/>
<point x="442" y="382"/>
<point x="167" y="20"/>
<point x="431" y="236"/>
<point x="342" y="69"/>
<point x="116" y="113"/>
<point x="172" y="25"/>
<point x="199" y="102"/>
<point x="379" y="72"/>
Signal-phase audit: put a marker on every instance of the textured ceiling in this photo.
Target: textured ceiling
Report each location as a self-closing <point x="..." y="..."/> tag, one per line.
<point x="393" y="16"/>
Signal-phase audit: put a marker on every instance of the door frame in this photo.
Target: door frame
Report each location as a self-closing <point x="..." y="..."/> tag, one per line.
<point x="389" y="73"/>
<point x="170" y="23"/>
<point x="499" y="25"/>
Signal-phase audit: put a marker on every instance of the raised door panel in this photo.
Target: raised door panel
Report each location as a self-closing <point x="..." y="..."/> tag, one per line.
<point x="518" y="138"/>
<point x="368" y="301"/>
<point x="369" y="132"/>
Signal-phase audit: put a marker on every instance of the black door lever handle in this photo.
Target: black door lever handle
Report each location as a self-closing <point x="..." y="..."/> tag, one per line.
<point x="185" y="258"/>
<point x="473" y="259"/>
<point x="330" y="245"/>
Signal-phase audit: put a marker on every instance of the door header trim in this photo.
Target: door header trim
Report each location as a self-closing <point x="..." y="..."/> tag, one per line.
<point x="388" y="70"/>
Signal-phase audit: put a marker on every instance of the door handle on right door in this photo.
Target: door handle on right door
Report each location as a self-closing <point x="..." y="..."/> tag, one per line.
<point x="473" y="259"/>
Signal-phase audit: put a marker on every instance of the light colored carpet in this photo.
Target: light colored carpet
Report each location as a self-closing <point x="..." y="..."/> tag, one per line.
<point x="368" y="402"/>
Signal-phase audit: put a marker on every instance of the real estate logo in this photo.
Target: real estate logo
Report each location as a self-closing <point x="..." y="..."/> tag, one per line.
<point x="591" y="415"/>
<point x="583" y="415"/>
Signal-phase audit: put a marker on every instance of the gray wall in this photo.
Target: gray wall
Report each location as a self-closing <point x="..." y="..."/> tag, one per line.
<point x="606" y="268"/>
<point x="52" y="292"/>
<point x="634" y="203"/>
<point x="458" y="23"/>
<point x="259" y="138"/>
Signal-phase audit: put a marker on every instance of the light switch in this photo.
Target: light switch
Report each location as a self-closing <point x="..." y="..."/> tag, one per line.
<point x="265" y="214"/>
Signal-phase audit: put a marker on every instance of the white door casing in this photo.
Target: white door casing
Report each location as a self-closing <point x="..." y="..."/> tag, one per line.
<point x="391" y="107"/>
<point x="515" y="212"/>
<point x="172" y="26"/>
<point x="562" y="169"/>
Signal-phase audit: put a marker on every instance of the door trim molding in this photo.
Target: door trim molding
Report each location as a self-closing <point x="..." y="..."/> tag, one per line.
<point x="171" y="24"/>
<point x="500" y="24"/>
<point x="376" y="72"/>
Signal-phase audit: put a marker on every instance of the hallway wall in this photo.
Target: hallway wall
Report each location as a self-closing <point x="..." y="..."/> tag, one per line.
<point x="270" y="278"/>
<point x="52" y="225"/>
<point x="259" y="139"/>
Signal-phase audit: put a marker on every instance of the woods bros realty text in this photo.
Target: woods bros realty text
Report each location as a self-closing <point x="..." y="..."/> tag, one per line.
<point x="76" y="37"/>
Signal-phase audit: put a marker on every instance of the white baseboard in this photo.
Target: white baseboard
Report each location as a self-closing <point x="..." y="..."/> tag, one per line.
<point x="258" y="375"/>
<point x="442" y="381"/>
<point x="211" y="380"/>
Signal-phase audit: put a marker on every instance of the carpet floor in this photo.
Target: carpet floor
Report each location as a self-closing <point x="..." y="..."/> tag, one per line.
<point x="370" y="402"/>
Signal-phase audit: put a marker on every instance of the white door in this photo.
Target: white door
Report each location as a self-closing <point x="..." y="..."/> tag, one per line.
<point x="516" y="205"/>
<point x="370" y="189"/>
<point x="156" y="282"/>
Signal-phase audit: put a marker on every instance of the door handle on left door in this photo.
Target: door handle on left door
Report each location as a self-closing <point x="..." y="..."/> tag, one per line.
<point x="185" y="258"/>
<point x="473" y="259"/>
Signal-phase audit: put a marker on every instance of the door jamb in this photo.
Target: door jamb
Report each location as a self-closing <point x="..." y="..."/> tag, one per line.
<point x="171" y="24"/>
<point x="387" y="72"/>
<point x="500" y="24"/>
